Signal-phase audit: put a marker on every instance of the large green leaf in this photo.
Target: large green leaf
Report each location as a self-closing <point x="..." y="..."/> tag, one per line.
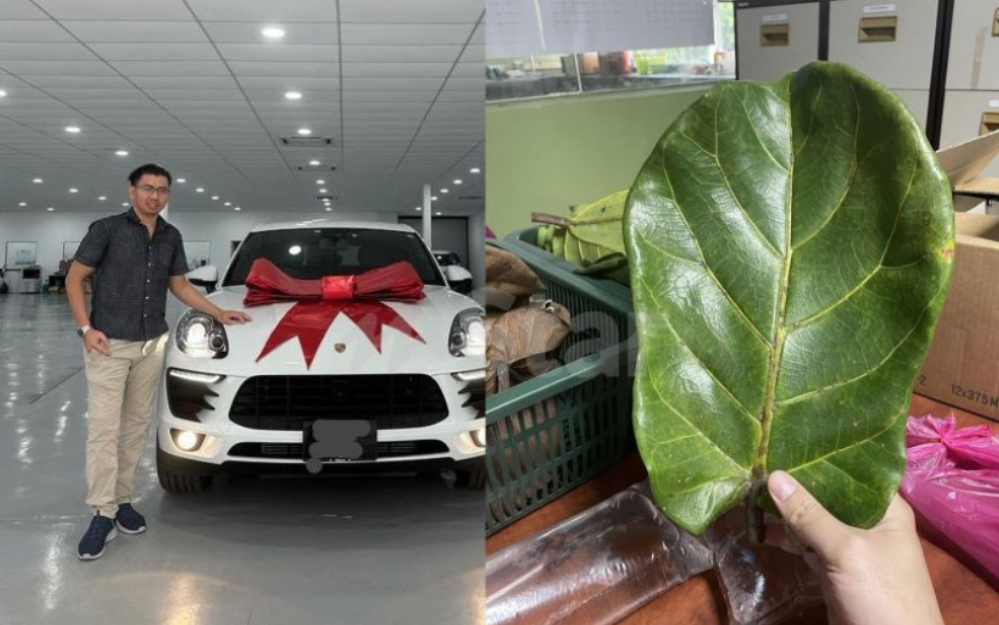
<point x="790" y="245"/>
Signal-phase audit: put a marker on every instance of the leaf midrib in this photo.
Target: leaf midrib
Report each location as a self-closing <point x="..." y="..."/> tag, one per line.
<point x="769" y="403"/>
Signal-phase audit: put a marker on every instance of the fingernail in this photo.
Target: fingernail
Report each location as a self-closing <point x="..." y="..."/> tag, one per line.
<point x="781" y="485"/>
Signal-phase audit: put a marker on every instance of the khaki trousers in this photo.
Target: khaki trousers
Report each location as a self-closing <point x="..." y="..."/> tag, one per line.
<point x="122" y="392"/>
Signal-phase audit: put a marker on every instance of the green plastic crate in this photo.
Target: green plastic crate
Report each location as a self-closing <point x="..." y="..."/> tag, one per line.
<point x="552" y="433"/>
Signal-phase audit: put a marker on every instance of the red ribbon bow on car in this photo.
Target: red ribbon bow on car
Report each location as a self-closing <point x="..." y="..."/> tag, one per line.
<point x="320" y="301"/>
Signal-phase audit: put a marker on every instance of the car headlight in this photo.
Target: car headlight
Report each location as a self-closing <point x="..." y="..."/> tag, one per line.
<point x="201" y="336"/>
<point x="468" y="333"/>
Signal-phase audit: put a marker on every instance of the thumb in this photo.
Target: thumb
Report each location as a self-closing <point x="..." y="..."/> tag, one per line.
<point x="812" y="523"/>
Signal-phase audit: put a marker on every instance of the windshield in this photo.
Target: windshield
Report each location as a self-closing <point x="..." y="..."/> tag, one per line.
<point x="311" y="254"/>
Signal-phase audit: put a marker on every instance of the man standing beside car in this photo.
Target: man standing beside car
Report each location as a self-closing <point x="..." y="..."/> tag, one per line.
<point x="135" y="258"/>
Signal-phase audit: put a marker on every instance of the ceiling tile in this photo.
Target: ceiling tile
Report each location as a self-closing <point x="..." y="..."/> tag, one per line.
<point x="155" y="51"/>
<point x="184" y="83"/>
<point x="283" y="84"/>
<point x="392" y="84"/>
<point x="265" y="52"/>
<point x="49" y="68"/>
<point x="171" y="68"/>
<point x="404" y="34"/>
<point x="20" y="10"/>
<point x="104" y="10"/>
<point x="37" y="31"/>
<point x="296" y="33"/>
<point x="118" y="31"/>
<point x="411" y="11"/>
<point x="397" y="70"/>
<point x="286" y="69"/>
<point x="269" y="11"/>
<point x="44" y="52"/>
<point x="397" y="54"/>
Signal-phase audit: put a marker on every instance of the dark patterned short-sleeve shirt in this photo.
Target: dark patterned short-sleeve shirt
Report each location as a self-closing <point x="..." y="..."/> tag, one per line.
<point x="133" y="272"/>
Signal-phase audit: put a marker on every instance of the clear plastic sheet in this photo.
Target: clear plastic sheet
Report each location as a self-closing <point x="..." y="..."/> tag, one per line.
<point x="594" y="568"/>
<point x="762" y="584"/>
<point x="953" y="482"/>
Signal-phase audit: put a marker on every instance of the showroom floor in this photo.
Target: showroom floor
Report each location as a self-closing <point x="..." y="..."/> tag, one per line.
<point x="293" y="551"/>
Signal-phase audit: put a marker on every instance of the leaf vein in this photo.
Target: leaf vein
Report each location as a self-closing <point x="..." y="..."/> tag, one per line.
<point x="739" y="310"/>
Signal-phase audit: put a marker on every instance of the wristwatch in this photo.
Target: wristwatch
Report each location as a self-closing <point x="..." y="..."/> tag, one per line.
<point x="81" y="331"/>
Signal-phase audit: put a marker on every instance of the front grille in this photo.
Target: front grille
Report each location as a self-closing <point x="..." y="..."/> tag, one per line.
<point x="288" y="402"/>
<point x="288" y="451"/>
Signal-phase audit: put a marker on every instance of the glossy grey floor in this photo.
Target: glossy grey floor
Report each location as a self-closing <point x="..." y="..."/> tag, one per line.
<point x="249" y="552"/>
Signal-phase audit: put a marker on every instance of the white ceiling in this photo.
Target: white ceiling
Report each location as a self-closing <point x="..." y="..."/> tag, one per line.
<point x="194" y="86"/>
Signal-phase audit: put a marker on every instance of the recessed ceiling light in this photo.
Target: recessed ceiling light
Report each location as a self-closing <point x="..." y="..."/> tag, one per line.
<point x="124" y="203"/>
<point x="72" y="129"/>
<point x="419" y="208"/>
<point x="237" y="209"/>
<point x="475" y="170"/>
<point x="457" y="181"/>
<point x="293" y="95"/>
<point x="273" y="32"/>
<point x="200" y="189"/>
<point x="74" y="190"/>
<point x="215" y="198"/>
<point x="50" y="209"/>
<point x="433" y="198"/>
<point x="328" y="209"/>
<point x="305" y="132"/>
<point x="22" y="203"/>
<point x="3" y="94"/>
<point x="37" y="181"/>
<point x="437" y="213"/>
<point x="314" y="163"/>
<point x="320" y="182"/>
<point x="181" y="180"/>
<point x="102" y="198"/>
<point x="322" y="190"/>
<point x="228" y="204"/>
<point x="444" y="191"/>
<point x="121" y="153"/>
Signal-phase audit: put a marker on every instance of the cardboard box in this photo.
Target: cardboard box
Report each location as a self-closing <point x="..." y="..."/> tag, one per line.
<point x="962" y="368"/>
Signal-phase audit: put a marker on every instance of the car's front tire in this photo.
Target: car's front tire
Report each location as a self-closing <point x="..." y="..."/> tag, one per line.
<point x="471" y="474"/>
<point x="180" y="476"/>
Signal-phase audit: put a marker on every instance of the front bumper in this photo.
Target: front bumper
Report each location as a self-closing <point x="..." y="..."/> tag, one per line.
<point x="206" y="402"/>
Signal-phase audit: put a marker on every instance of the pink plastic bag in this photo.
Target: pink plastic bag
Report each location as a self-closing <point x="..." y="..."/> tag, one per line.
<point x="952" y="482"/>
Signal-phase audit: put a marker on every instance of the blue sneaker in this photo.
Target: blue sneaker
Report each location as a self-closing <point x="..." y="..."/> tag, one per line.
<point x="100" y="532"/>
<point x="129" y="520"/>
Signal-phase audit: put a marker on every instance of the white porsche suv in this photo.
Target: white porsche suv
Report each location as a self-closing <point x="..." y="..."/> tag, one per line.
<point x="325" y="383"/>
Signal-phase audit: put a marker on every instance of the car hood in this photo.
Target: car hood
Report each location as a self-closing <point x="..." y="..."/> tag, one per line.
<point x="345" y="347"/>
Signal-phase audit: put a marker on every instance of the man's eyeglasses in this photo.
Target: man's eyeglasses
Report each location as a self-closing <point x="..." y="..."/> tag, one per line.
<point x="148" y="190"/>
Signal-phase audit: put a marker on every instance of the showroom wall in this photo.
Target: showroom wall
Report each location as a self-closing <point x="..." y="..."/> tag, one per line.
<point x="581" y="148"/>
<point x="50" y="230"/>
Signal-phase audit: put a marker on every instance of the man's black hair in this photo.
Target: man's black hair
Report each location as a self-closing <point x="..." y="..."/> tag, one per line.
<point x="151" y="169"/>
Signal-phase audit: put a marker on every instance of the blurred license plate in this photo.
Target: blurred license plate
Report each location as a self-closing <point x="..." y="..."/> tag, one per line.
<point x="340" y="440"/>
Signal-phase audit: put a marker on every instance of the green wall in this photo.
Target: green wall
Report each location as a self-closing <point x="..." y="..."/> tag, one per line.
<point x="543" y="155"/>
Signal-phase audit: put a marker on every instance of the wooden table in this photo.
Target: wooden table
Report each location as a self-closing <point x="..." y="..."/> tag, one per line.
<point x="964" y="598"/>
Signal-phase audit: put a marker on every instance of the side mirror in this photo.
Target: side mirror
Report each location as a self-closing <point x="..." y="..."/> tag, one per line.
<point x="206" y="277"/>
<point x="456" y="273"/>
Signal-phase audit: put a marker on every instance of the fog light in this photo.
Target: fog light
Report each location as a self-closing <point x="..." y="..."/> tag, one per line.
<point x="479" y="437"/>
<point x="188" y="441"/>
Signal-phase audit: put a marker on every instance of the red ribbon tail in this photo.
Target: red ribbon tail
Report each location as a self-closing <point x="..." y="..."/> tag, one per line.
<point x="308" y="323"/>
<point x="370" y="317"/>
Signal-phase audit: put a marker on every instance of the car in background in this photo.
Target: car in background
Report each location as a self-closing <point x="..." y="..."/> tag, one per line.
<point x="383" y="384"/>
<point x="458" y="277"/>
